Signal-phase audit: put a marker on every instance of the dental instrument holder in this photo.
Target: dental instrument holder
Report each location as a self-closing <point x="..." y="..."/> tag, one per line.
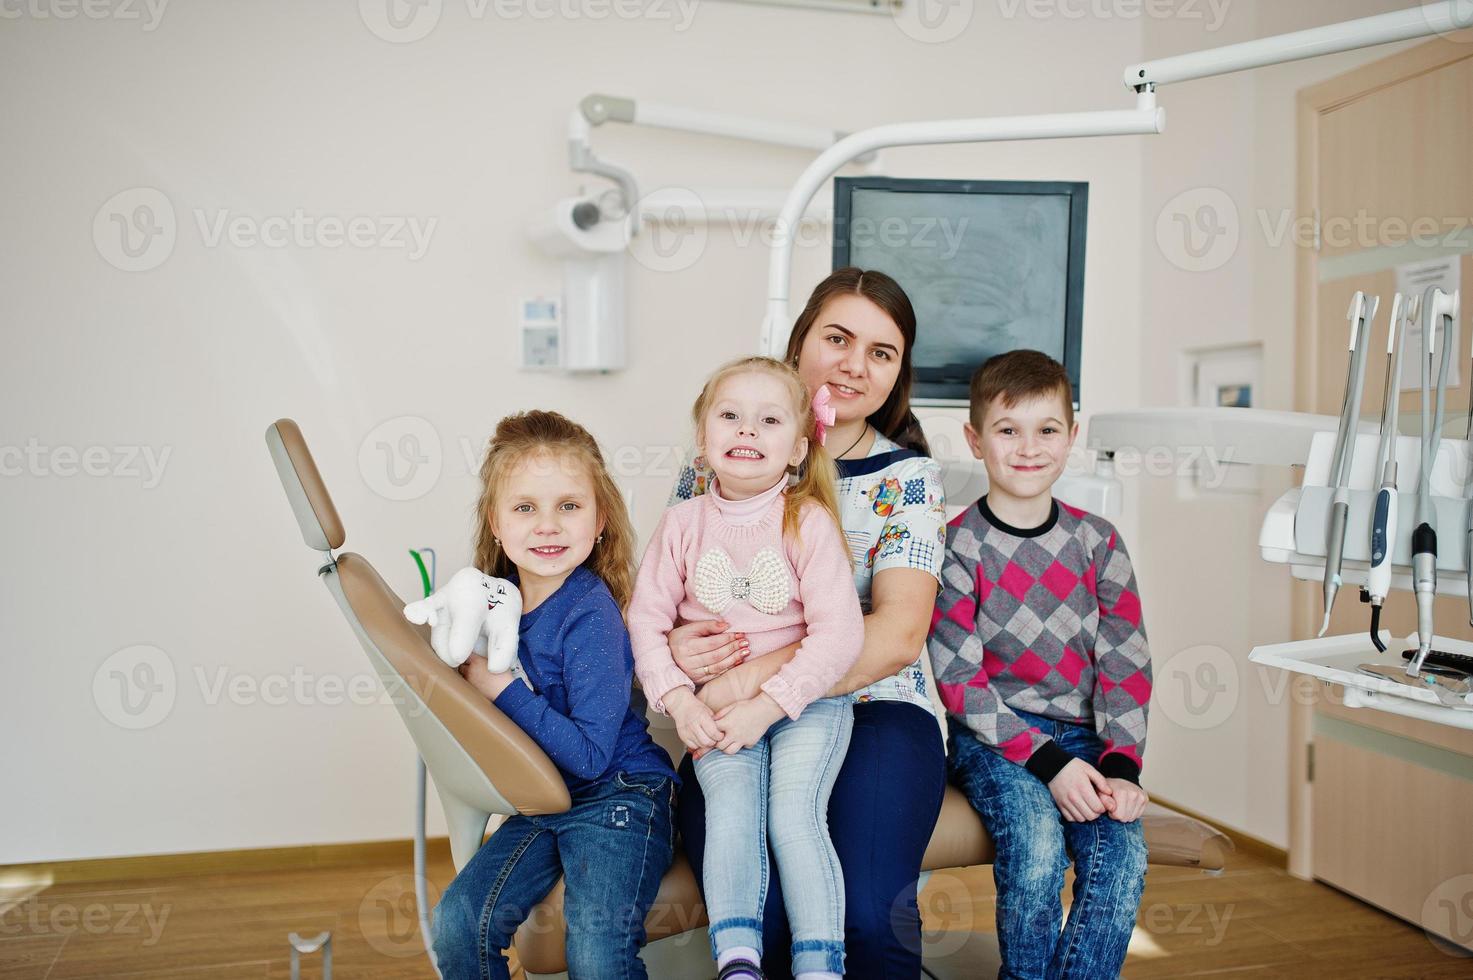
<point x="1293" y="530"/>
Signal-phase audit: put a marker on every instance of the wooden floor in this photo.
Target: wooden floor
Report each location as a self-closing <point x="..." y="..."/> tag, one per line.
<point x="1250" y="920"/>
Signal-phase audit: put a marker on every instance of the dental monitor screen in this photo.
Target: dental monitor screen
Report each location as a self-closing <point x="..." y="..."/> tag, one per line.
<point x="990" y="266"/>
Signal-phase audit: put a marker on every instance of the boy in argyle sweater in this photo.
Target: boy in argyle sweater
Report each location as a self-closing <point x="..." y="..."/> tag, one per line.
<point x="1040" y="657"/>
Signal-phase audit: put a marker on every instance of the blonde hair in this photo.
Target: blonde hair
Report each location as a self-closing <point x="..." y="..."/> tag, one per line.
<point x="526" y="434"/>
<point x="817" y="480"/>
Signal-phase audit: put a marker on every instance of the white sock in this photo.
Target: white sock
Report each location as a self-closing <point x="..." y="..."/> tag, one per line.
<point x="817" y="975"/>
<point x="737" y="953"/>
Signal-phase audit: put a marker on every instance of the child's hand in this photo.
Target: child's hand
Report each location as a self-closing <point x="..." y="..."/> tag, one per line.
<point x="476" y="670"/>
<point x="1079" y="791"/>
<point x="1126" y="801"/>
<point x="746" y="722"/>
<point x="694" y="722"/>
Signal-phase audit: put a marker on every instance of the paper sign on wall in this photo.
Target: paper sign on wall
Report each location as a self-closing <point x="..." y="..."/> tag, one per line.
<point x="1412" y="279"/>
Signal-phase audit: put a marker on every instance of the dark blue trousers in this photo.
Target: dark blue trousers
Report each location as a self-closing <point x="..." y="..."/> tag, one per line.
<point x="881" y="815"/>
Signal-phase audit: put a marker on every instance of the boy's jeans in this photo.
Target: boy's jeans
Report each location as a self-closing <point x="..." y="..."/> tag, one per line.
<point x="1031" y="836"/>
<point x="618" y="840"/>
<point x="777" y="792"/>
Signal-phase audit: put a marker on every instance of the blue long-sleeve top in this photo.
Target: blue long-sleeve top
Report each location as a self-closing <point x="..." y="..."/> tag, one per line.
<point x="575" y="651"/>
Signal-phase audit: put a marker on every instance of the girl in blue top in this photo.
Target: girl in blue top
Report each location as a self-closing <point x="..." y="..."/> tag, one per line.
<point x="552" y="520"/>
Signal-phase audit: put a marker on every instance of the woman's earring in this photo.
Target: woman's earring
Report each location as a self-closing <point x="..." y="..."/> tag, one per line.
<point x="498" y="542"/>
<point x="599" y="539"/>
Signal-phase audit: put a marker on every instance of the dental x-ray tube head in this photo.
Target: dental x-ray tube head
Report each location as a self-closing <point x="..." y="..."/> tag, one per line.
<point x="593" y="253"/>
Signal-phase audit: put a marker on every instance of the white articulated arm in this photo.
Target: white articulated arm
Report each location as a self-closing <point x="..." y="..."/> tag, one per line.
<point x="1399" y="25"/>
<point x="1403" y="25"/>
<point x="1066" y="125"/>
<point x="597" y="109"/>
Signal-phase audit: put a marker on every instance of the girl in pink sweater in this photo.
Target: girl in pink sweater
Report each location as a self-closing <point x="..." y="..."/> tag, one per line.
<point x="763" y="553"/>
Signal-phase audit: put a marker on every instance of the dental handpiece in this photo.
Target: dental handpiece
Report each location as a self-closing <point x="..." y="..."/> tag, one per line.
<point x="1345" y="439"/>
<point x="1383" y="520"/>
<point x="1438" y="309"/>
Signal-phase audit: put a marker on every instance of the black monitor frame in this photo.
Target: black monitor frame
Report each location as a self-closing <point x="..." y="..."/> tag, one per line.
<point x="941" y="389"/>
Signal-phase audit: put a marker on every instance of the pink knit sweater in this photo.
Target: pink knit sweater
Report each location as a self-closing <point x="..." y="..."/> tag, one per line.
<point x="711" y="558"/>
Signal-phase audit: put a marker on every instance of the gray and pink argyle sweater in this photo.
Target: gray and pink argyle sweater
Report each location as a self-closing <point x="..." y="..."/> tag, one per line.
<point x="1045" y="620"/>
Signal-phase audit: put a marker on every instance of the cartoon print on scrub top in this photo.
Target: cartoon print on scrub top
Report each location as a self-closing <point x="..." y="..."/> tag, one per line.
<point x="890" y="541"/>
<point x="884" y="496"/>
<point x="693" y="479"/>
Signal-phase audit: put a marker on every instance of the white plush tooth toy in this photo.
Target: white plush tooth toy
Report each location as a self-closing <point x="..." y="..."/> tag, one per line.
<point x="473" y="612"/>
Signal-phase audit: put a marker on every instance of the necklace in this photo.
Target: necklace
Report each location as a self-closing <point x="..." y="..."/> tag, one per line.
<point x="862" y="433"/>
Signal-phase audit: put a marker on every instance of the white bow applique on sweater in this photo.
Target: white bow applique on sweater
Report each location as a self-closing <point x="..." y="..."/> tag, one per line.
<point x="765" y="586"/>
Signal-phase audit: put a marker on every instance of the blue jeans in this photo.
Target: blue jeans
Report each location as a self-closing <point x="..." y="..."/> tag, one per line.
<point x="881" y="816"/>
<point x="615" y="845"/>
<point x="1032" y="838"/>
<point x="777" y="793"/>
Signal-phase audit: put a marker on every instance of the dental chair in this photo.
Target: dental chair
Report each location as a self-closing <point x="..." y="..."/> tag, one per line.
<point x="483" y="764"/>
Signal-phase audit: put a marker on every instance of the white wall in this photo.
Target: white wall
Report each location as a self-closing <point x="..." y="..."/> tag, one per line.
<point x="266" y="108"/>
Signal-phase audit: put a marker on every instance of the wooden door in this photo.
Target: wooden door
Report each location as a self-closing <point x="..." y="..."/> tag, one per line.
<point x="1386" y="163"/>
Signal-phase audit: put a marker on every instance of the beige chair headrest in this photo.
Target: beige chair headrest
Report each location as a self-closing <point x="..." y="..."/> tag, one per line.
<point x="316" y="515"/>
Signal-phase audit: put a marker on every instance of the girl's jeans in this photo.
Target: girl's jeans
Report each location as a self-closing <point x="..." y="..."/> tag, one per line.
<point x="777" y="793"/>
<point x="612" y="848"/>
<point x="1034" y="842"/>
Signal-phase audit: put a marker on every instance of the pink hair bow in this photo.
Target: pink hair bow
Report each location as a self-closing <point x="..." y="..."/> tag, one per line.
<point x="823" y="412"/>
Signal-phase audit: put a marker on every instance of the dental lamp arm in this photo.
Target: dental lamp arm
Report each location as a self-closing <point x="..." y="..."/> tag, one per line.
<point x="1400" y="25"/>
<point x="1146" y="118"/>
<point x="1143" y="78"/>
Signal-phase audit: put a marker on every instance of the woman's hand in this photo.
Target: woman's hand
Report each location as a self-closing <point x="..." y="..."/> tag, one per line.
<point x="1079" y="791"/>
<point x="694" y="722"/>
<point x="705" y="650"/>
<point x="745" y="722"/>
<point x="745" y="680"/>
<point x="478" y="672"/>
<point x="1129" y="800"/>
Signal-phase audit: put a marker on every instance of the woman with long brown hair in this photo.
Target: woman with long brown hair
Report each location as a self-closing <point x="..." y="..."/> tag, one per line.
<point x="855" y="335"/>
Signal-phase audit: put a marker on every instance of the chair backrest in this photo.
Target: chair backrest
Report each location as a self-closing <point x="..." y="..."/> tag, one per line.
<point x="481" y="761"/>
